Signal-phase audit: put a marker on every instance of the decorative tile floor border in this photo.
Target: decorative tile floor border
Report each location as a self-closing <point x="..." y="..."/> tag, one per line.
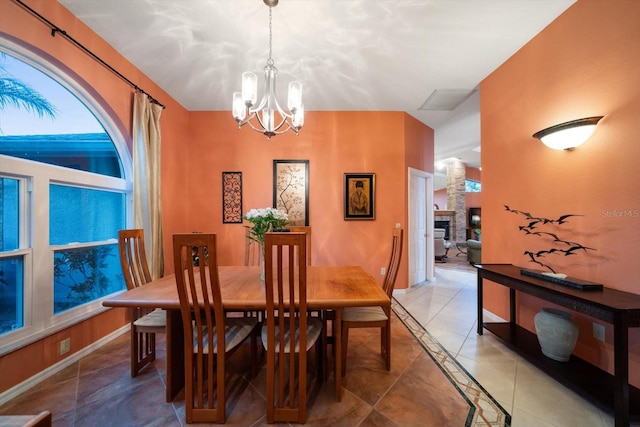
<point x="484" y="410"/>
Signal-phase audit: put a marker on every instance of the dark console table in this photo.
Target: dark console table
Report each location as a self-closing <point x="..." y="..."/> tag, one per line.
<point x="621" y="309"/>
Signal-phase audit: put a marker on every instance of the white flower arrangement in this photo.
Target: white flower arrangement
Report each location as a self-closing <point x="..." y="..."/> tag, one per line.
<point x="265" y="220"/>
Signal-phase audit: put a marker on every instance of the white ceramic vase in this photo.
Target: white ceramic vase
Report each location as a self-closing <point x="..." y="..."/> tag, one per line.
<point x="557" y="333"/>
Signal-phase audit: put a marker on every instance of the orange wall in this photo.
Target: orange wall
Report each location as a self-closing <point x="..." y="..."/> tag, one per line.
<point x="583" y="64"/>
<point x="334" y="143"/>
<point x="21" y="364"/>
<point x="473" y="173"/>
<point x="419" y="140"/>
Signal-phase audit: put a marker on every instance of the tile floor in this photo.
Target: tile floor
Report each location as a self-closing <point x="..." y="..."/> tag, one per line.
<point x="98" y="390"/>
<point x="447" y="309"/>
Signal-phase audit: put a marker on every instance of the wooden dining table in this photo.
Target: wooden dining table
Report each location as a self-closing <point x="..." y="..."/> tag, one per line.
<point x="328" y="288"/>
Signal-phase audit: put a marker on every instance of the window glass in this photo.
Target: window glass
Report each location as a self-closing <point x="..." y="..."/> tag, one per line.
<point x="8" y="214"/>
<point x="91" y="152"/>
<point x="44" y="122"/>
<point x="81" y="215"/>
<point x="11" y="283"/>
<point x="11" y="295"/>
<point x="471" y="186"/>
<point x="84" y="274"/>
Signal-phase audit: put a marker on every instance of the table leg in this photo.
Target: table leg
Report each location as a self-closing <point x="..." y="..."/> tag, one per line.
<point x="480" y="316"/>
<point x="175" y="354"/>
<point x="337" y="342"/>
<point x="621" y="368"/>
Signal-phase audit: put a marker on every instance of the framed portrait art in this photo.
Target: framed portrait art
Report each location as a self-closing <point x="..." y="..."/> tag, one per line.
<point x="359" y="196"/>
<point x="291" y="189"/>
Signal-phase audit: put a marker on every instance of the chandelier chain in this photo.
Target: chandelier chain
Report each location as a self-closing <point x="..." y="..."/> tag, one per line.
<point x="270" y="60"/>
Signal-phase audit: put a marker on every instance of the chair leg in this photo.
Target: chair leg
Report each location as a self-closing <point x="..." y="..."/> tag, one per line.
<point x="383" y="343"/>
<point x="288" y="373"/>
<point x="322" y="348"/>
<point x="254" y="352"/>
<point x="321" y="358"/>
<point x="386" y="333"/>
<point x="143" y="350"/>
<point x="328" y="317"/>
<point x="302" y="386"/>
<point x="143" y="345"/>
<point x="221" y="410"/>
<point x="134" y="351"/>
<point x="345" y="341"/>
<point x="188" y="388"/>
<point x="270" y="386"/>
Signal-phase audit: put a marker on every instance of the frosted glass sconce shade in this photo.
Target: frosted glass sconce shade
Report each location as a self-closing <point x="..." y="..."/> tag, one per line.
<point x="569" y="135"/>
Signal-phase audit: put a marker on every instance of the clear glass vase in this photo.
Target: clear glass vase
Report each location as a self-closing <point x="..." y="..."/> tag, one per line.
<point x="262" y="261"/>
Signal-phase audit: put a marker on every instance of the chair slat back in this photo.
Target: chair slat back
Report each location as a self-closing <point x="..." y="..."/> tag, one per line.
<point x="285" y="276"/>
<point x="394" y="261"/>
<point x="133" y="258"/>
<point x="201" y="309"/>
<point x="304" y="229"/>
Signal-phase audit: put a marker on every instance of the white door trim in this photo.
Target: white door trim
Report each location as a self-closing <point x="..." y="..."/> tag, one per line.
<point x="428" y="209"/>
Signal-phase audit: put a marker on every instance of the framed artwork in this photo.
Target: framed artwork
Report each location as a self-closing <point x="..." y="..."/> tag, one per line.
<point x="232" y="197"/>
<point x="359" y="196"/>
<point x="291" y="189"/>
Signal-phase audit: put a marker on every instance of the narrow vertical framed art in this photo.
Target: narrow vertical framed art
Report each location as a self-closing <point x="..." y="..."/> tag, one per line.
<point x="232" y="197"/>
<point x="359" y="196"/>
<point x="291" y="189"/>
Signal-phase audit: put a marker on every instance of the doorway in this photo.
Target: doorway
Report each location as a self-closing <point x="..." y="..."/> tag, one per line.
<point x="420" y="230"/>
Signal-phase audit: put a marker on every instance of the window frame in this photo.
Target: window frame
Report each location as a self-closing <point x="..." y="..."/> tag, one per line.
<point x="23" y="250"/>
<point x="39" y="320"/>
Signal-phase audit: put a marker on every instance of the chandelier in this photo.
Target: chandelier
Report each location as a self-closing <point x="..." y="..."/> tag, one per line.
<point x="261" y="117"/>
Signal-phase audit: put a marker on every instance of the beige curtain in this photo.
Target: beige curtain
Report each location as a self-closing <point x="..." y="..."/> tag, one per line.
<point x="147" y="207"/>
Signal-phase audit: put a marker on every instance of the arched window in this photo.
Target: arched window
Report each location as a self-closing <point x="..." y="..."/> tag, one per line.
<point x="64" y="194"/>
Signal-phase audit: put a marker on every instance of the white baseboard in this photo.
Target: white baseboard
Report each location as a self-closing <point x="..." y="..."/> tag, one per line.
<point x="40" y="376"/>
<point x="490" y="317"/>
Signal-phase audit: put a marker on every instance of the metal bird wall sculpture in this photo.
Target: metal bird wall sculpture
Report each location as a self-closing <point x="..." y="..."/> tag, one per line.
<point x="533" y="227"/>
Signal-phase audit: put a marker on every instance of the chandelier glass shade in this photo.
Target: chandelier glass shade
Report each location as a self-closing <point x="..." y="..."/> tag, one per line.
<point x="267" y="116"/>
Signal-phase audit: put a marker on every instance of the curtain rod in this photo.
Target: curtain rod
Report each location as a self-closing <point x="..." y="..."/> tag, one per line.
<point x="55" y="30"/>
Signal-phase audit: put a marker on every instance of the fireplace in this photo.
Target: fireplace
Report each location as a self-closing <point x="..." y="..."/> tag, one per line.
<point x="442" y="224"/>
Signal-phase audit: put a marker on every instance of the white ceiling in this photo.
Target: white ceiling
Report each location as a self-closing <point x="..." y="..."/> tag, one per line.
<point x="384" y="55"/>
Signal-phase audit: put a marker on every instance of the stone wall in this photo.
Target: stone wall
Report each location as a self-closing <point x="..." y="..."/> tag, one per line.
<point x="456" y="199"/>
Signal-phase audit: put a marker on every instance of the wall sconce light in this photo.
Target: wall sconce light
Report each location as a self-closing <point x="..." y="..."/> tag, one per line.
<point x="569" y="135"/>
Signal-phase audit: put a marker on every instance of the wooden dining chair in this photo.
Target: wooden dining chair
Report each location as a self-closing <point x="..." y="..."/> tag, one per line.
<point x="289" y="332"/>
<point x="145" y="323"/>
<point x="209" y="335"/>
<point x="375" y="317"/>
